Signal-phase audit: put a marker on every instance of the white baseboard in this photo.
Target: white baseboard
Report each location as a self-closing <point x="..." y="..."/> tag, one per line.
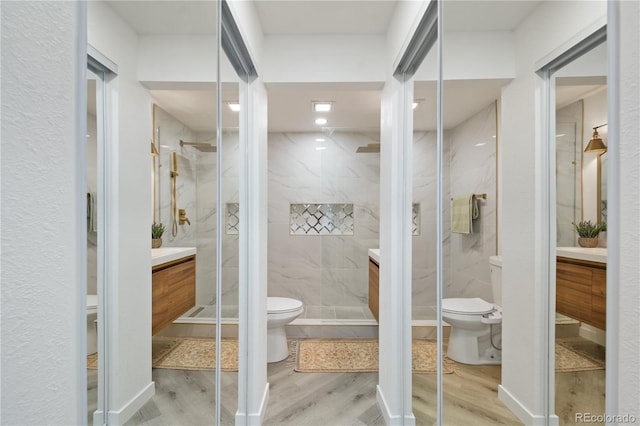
<point x="122" y="415"/>
<point x="594" y="334"/>
<point x="254" y="419"/>
<point x="389" y="419"/>
<point x="526" y="416"/>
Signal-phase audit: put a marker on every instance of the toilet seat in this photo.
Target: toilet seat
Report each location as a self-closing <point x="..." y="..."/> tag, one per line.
<point x="467" y="306"/>
<point x="92" y="303"/>
<point x="279" y="305"/>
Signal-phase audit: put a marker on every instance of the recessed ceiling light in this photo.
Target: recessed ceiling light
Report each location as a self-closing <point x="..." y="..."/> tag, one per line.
<point x="320" y="148"/>
<point x="320" y="139"/>
<point x="321" y="121"/>
<point x="481" y="144"/>
<point x="322" y="106"/>
<point x="234" y="106"/>
<point x="494" y="136"/>
<point x="560" y="135"/>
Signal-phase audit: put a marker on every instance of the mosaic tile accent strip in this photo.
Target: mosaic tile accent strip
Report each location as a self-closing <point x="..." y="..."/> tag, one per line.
<point x="233" y="219"/>
<point x="321" y="219"/>
<point x="416" y="219"/>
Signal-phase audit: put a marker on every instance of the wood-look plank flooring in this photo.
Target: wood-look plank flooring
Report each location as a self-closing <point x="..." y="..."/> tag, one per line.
<point x="327" y="399"/>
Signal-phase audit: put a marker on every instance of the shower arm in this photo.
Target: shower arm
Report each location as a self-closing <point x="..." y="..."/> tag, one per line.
<point x="174" y="195"/>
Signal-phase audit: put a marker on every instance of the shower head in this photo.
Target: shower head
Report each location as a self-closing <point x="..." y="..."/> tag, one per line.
<point x="200" y="146"/>
<point x="372" y="147"/>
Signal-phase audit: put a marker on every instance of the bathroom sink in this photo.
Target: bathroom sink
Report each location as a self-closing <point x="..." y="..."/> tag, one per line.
<point x="167" y="254"/>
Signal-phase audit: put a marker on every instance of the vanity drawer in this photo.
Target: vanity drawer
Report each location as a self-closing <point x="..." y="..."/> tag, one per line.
<point x="581" y="290"/>
<point x="374" y="288"/>
<point x="174" y="291"/>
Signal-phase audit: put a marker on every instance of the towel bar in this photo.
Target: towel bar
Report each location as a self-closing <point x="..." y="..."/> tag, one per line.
<point x="483" y="196"/>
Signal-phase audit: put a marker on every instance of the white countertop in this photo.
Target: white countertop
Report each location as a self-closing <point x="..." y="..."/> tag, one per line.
<point x="596" y="254"/>
<point x="375" y="255"/>
<point x="167" y="254"/>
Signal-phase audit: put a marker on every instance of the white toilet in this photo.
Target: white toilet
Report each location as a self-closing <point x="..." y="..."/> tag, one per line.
<point x="92" y="314"/>
<point x="476" y="324"/>
<point x="280" y="312"/>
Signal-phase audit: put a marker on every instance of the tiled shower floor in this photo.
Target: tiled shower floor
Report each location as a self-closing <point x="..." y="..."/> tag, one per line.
<point x="312" y="312"/>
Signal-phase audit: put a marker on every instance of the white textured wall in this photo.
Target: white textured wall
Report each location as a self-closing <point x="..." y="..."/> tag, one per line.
<point x="523" y="302"/>
<point x="130" y="341"/>
<point x="43" y="190"/>
<point x="628" y="247"/>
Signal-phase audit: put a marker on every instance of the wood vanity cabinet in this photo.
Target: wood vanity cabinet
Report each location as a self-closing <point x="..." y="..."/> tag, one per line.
<point x="374" y="288"/>
<point x="174" y="291"/>
<point x="581" y="290"/>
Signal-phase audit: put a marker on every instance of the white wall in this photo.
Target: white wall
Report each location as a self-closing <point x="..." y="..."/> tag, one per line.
<point x="322" y="57"/>
<point x="524" y="300"/>
<point x="43" y="222"/>
<point x="625" y="382"/>
<point x="472" y="55"/>
<point x="130" y="339"/>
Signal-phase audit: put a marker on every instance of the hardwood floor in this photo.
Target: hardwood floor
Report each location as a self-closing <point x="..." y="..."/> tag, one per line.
<point x="325" y="399"/>
<point x="470" y="397"/>
<point x="581" y="391"/>
<point x="321" y="398"/>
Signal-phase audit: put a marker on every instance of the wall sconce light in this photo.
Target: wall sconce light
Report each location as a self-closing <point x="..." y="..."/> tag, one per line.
<point x="595" y="144"/>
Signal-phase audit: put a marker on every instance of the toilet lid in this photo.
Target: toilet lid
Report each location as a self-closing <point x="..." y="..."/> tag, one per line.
<point x="92" y="301"/>
<point x="471" y="306"/>
<point x="282" y="304"/>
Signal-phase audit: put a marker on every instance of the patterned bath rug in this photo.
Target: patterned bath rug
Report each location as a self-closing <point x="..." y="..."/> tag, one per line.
<point x="359" y="355"/>
<point x="188" y="353"/>
<point x="568" y="359"/>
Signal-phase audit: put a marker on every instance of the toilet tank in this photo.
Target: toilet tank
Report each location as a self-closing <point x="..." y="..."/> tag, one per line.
<point x="495" y="265"/>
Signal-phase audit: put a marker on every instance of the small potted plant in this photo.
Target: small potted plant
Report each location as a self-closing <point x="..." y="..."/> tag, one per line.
<point x="588" y="232"/>
<point x="157" y="229"/>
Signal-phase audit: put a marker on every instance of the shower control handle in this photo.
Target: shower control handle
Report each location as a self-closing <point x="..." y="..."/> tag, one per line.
<point x="182" y="217"/>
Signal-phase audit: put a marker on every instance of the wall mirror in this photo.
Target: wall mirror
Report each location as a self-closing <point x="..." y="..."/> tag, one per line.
<point x="181" y="103"/>
<point x="579" y="335"/>
<point x="471" y="273"/>
<point x="581" y="105"/>
<point x="95" y="158"/>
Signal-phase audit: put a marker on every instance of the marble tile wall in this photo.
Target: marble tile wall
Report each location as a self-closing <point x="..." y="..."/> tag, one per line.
<point x="196" y="190"/>
<point x="473" y="170"/>
<point x="206" y="218"/>
<point x="469" y="157"/>
<point x="568" y="178"/>
<point x="424" y="193"/>
<point x="327" y="270"/>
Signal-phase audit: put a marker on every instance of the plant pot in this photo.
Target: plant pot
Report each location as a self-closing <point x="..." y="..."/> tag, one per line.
<point x="588" y="242"/>
<point x="157" y="242"/>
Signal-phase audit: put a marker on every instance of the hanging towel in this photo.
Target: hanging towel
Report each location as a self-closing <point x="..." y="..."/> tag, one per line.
<point x="463" y="210"/>
<point x="92" y="212"/>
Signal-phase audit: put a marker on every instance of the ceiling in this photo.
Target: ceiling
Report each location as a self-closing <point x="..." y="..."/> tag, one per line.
<point x="315" y="16"/>
<point x="357" y="105"/>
